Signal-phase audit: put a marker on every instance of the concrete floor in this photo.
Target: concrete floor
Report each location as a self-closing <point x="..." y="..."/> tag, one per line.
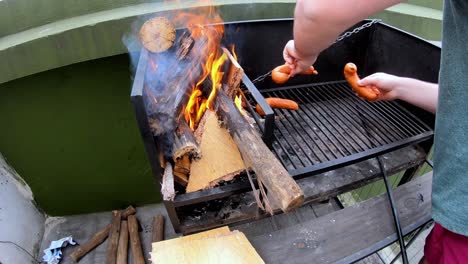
<point x="82" y="227"/>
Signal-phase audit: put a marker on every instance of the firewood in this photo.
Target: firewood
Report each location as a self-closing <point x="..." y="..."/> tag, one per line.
<point x="114" y="233"/>
<point x="135" y="241"/>
<point x="157" y="34"/>
<point x="221" y="160"/>
<point x="234" y="76"/>
<point x="122" y="250"/>
<point x="180" y="178"/>
<point x="185" y="45"/>
<point x="95" y="241"/>
<point x="130" y="210"/>
<point x="280" y="185"/>
<point x="158" y="228"/>
<point x="184" y="143"/>
<point x="183" y="165"/>
<point x="167" y="186"/>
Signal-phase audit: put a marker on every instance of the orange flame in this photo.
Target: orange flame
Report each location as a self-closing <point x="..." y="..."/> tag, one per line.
<point x="206" y="28"/>
<point x="233" y="52"/>
<point x="238" y="103"/>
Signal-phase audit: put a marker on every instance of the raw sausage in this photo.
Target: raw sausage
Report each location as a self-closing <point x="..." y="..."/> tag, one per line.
<point x="281" y="73"/>
<point x="370" y="93"/>
<point x="281" y="103"/>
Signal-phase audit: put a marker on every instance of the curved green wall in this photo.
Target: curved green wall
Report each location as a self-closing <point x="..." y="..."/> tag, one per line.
<point x="71" y="134"/>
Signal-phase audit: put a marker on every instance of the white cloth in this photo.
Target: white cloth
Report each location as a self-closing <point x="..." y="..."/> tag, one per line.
<point x="53" y="253"/>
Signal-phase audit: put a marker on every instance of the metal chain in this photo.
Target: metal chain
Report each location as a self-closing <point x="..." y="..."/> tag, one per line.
<point x="340" y="38"/>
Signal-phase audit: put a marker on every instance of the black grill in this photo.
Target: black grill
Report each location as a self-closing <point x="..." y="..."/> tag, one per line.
<point x="333" y="127"/>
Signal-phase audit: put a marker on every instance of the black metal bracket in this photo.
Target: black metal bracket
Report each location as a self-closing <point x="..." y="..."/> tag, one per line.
<point x="269" y="125"/>
<point x="396" y="219"/>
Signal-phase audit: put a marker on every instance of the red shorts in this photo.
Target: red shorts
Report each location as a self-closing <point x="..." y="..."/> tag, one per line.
<point x="445" y="247"/>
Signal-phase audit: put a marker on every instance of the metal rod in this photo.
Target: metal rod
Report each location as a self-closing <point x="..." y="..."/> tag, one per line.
<point x="327" y="114"/>
<point x="304" y="107"/>
<point x="363" y="108"/>
<point x="394" y="213"/>
<point x="412" y="239"/>
<point x="358" y="109"/>
<point x="320" y="125"/>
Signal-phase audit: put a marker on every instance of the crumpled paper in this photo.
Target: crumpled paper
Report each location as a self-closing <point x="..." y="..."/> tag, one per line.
<point x="53" y="253"/>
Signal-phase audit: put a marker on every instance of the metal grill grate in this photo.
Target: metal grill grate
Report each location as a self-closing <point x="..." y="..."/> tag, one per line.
<point x="333" y="127"/>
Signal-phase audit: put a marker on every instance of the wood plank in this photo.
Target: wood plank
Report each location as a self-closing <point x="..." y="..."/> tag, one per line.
<point x="225" y="248"/>
<point x="352" y="233"/>
<point x="220" y="159"/>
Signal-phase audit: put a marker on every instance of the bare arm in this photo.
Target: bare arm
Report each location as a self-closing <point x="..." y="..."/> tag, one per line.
<point x="318" y="23"/>
<point x="419" y="93"/>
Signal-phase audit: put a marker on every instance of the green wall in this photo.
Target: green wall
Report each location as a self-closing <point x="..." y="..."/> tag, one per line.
<point x="72" y="135"/>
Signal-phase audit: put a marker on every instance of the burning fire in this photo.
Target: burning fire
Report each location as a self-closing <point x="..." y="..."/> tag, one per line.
<point x="238" y="103"/>
<point x="211" y="67"/>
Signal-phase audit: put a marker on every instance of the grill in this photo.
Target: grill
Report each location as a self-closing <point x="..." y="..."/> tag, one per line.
<point x="333" y="128"/>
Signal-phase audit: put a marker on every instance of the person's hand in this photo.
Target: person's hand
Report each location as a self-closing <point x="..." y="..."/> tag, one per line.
<point x="296" y="61"/>
<point x="389" y="85"/>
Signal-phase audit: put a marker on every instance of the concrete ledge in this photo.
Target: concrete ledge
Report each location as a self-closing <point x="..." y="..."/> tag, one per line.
<point x="99" y="34"/>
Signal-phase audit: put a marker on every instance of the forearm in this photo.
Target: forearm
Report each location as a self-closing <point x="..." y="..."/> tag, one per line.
<point x="318" y="23"/>
<point x="419" y="93"/>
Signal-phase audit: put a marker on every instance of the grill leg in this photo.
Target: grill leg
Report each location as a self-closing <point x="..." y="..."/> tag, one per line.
<point x="172" y="215"/>
<point x="394" y="212"/>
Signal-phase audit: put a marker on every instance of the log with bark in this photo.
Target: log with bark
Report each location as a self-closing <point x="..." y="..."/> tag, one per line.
<point x="95" y="241"/>
<point x="135" y="241"/>
<point x="114" y="233"/>
<point x="184" y="143"/>
<point x="158" y="228"/>
<point x="122" y="250"/>
<point x="282" y="188"/>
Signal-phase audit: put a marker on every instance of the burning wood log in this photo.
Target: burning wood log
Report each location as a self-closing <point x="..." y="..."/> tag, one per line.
<point x="182" y="170"/>
<point x="280" y="185"/>
<point x="185" y="45"/>
<point x="185" y="143"/>
<point x="234" y="76"/>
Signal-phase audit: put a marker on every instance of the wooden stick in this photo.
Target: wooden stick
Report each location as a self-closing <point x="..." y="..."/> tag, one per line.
<point x="114" y="233"/>
<point x="135" y="242"/>
<point x="158" y="228"/>
<point x="130" y="210"/>
<point x="167" y="186"/>
<point x="122" y="251"/>
<point x="281" y="186"/>
<point x="95" y="241"/>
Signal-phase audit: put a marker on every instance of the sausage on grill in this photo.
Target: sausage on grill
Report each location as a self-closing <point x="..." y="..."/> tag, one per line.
<point x="281" y="73"/>
<point x="370" y="93"/>
<point x="281" y="103"/>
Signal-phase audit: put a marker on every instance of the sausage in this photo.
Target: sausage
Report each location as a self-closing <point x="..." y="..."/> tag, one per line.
<point x="275" y="102"/>
<point x="281" y="73"/>
<point x="370" y="93"/>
